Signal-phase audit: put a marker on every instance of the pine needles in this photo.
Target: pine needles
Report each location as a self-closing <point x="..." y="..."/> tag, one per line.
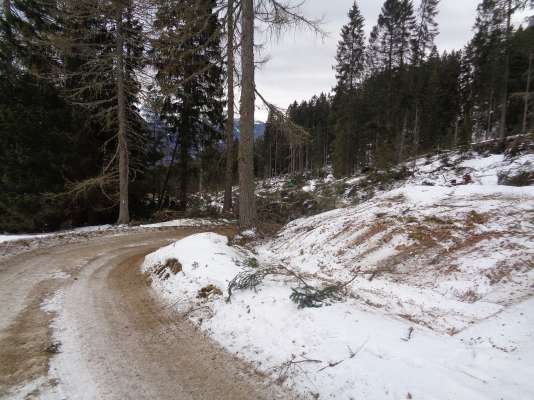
<point x="305" y="295"/>
<point x="309" y="296"/>
<point x="249" y="279"/>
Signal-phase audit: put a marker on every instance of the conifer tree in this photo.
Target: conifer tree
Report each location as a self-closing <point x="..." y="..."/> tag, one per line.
<point x="349" y="73"/>
<point x="507" y="8"/>
<point x="423" y="41"/>
<point x="188" y="64"/>
<point x="350" y="52"/>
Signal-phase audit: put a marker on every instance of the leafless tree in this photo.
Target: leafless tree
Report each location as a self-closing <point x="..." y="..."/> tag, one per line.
<point x="277" y="15"/>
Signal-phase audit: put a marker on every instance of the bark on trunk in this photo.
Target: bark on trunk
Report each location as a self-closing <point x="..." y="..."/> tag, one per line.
<point x="490" y="113"/>
<point x="525" y="111"/>
<point x="504" y="102"/>
<point x="416" y="136"/>
<point x="184" y="173"/>
<point x="229" y="175"/>
<point x="124" y="213"/>
<point x="163" y="192"/>
<point x="247" y="209"/>
<point x="403" y="137"/>
<point x="456" y="127"/>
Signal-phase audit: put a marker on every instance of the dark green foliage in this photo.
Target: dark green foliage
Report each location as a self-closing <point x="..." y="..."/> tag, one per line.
<point x="190" y="77"/>
<point x="252" y="263"/>
<point x="522" y="178"/>
<point x="250" y="279"/>
<point x="305" y="295"/>
<point x="410" y="99"/>
<point x="311" y="297"/>
<point x="276" y="156"/>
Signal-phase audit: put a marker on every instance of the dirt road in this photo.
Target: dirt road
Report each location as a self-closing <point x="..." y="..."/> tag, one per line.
<point x="78" y="321"/>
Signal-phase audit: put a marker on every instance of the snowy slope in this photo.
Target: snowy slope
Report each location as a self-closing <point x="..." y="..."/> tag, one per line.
<point x="440" y="302"/>
<point x="444" y="256"/>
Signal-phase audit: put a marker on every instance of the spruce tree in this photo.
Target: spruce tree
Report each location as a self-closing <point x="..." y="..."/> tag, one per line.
<point x="188" y="62"/>
<point x="349" y="73"/>
<point x="423" y="41"/>
<point x="350" y="52"/>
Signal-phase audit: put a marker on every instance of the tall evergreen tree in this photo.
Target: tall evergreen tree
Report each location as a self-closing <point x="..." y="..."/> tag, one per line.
<point x="423" y="41"/>
<point x="188" y="64"/>
<point x="349" y="73"/>
<point x="350" y="52"/>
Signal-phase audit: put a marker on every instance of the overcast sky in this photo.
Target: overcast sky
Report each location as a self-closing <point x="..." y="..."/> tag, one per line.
<point x="300" y="63"/>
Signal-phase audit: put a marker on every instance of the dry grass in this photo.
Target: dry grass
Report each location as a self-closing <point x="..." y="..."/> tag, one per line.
<point x="375" y="229"/>
<point x="471" y="240"/>
<point x="164" y="271"/>
<point x="474" y="218"/>
<point x="210" y="290"/>
<point x="427" y="237"/>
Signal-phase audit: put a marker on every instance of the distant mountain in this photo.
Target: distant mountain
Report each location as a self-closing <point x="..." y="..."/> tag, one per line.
<point x="259" y="128"/>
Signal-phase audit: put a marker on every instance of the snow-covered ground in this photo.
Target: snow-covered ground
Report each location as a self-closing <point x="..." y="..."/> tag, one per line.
<point x="184" y="222"/>
<point x="436" y="283"/>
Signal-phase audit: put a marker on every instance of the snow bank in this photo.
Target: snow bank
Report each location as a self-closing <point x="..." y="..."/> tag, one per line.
<point x="11" y="238"/>
<point x="441" y="305"/>
<point x="184" y="222"/>
<point x="347" y="350"/>
<point x="205" y="259"/>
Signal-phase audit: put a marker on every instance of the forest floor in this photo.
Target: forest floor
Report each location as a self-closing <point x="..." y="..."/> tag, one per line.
<point x="78" y="321"/>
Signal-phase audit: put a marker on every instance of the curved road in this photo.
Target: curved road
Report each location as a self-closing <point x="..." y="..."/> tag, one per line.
<point x="78" y="321"/>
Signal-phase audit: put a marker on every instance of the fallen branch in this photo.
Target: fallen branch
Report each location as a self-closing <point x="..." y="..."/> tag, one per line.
<point x="352" y="354"/>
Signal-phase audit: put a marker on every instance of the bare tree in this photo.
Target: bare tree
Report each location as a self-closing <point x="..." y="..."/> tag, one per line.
<point x="247" y="207"/>
<point x="277" y="15"/>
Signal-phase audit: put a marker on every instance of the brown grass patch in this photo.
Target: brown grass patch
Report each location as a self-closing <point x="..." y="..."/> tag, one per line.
<point x="171" y="266"/>
<point x="503" y="270"/>
<point x="429" y="237"/>
<point x="469" y="296"/>
<point x="474" y="218"/>
<point x="347" y="228"/>
<point x="210" y="290"/>
<point x="373" y="230"/>
<point x="472" y="240"/>
<point x="438" y="221"/>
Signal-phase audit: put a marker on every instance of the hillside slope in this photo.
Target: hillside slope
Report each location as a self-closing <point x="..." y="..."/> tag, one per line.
<point x="423" y="291"/>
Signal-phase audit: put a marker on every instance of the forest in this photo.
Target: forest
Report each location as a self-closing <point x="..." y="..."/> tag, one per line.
<point x="398" y="97"/>
<point x="127" y="108"/>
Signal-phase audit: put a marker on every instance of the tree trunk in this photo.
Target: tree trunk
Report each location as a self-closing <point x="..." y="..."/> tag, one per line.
<point x="184" y="171"/>
<point x="229" y="175"/>
<point x="201" y="173"/>
<point x="168" y="174"/>
<point x="525" y="111"/>
<point x="416" y="136"/>
<point x="124" y="213"/>
<point x="456" y="127"/>
<point x="490" y="113"/>
<point x="504" y="101"/>
<point x="247" y="209"/>
<point x="403" y="137"/>
<point x="276" y="154"/>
